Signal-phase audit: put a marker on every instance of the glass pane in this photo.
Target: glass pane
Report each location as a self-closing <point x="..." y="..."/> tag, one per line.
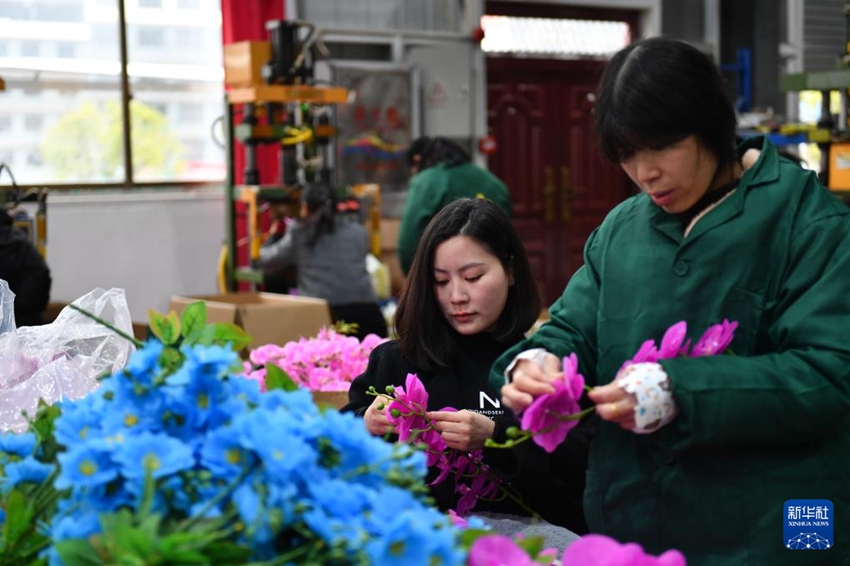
<point x="60" y="117"/>
<point x="561" y="37"/>
<point x="177" y="78"/>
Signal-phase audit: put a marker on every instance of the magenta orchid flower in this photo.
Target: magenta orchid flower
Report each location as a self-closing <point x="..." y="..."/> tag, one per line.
<point x="599" y="550"/>
<point x="497" y="550"/>
<point x="410" y="401"/>
<point x="671" y="344"/>
<point x="715" y="339"/>
<point x="541" y="417"/>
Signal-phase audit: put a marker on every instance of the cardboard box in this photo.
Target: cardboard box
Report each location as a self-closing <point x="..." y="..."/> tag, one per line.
<point x="335" y="399"/>
<point x="243" y="62"/>
<point x="269" y="318"/>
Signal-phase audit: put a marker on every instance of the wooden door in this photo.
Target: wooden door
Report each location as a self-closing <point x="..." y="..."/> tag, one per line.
<point x="540" y="114"/>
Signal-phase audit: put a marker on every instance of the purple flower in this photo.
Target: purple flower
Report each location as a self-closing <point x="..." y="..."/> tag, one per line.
<point x="541" y="418"/>
<point x="599" y="550"/>
<point x="496" y="550"/>
<point x="715" y="339"/>
<point x="671" y="344"/>
<point x="411" y="401"/>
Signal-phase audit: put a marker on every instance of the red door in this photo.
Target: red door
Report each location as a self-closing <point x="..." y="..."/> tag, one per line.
<point x="540" y="114"/>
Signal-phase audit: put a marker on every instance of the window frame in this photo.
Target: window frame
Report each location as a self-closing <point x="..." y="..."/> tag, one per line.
<point x="126" y="95"/>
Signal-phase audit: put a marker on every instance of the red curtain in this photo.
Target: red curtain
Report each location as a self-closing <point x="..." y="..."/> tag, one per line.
<point x="245" y="20"/>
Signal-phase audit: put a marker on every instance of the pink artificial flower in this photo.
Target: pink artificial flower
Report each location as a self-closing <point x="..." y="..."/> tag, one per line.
<point x="498" y="550"/>
<point x="409" y="400"/>
<point x="599" y="550"/>
<point x="457" y="520"/>
<point x="541" y="417"/>
<point x="715" y="339"/>
<point x="671" y="344"/>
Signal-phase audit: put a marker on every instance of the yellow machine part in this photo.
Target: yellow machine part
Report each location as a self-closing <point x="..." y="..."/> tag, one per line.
<point x="839" y="166"/>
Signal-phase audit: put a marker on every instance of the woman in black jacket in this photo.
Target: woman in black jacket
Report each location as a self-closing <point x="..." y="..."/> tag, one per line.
<point x="470" y="295"/>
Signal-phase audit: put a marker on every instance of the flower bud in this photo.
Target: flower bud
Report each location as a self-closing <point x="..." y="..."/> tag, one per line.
<point x="395" y="413"/>
<point x="512" y="432"/>
<point x="390" y="389"/>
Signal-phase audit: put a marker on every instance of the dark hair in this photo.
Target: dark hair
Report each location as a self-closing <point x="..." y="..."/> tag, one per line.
<point x="321" y="200"/>
<point x="659" y="91"/>
<point x="434" y="151"/>
<point x="425" y="336"/>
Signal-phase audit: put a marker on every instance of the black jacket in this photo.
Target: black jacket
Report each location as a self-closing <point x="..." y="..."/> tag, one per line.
<point x="552" y="488"/>
<point x="26" y="272"/>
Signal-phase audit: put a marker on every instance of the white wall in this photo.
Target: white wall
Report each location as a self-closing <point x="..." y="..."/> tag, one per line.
<point x="153" y="245"/>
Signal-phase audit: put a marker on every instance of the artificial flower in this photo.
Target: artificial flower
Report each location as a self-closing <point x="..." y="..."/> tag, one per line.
<point x="599" y="550"/>
<point x="543" y="417"/>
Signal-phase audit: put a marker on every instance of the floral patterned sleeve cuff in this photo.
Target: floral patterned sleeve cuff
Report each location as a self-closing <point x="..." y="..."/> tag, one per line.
<point x="536" y="355"/>
<point x="651" y="386"/>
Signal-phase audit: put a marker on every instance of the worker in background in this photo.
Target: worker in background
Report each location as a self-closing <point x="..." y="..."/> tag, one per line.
<point x="26" y="272"/>
<point x="441" y="172"/>
<point x="329" y="250"/>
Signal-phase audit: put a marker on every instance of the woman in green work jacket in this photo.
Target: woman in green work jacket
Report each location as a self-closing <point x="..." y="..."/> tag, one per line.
<point x="708" y="467"/>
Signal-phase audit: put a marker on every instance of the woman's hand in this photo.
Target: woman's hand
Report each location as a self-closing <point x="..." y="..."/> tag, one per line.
<point x="376" y="418"/>
<point x="529" y="380"/>
<point x="462" y="430"/>
<point x="614" y="404"/>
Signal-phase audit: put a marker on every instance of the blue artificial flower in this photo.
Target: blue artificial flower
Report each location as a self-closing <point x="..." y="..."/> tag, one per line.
<point x="27" y="470"/>
<point x="143" y="365"/>
<point x="17" y="444"/>
<point x="79" y="525"/>
<point x="208" y="361"/>
<point x="159" y="454"/>
<point x="224" y="455"/>
<point x="341" y="499"/>
<point x="403" y="543"/>
<point x="85" y="465"/>
<point x="258" y="520"/>
<point x="80" y="420"/>
<point x="270" y="436"/>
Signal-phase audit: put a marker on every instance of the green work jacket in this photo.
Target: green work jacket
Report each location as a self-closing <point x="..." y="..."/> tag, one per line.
<point x="754" y="429"/>
<point x="435" y="187"/>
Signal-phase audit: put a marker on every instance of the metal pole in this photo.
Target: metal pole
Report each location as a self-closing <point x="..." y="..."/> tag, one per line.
<point x="126" y="97"/>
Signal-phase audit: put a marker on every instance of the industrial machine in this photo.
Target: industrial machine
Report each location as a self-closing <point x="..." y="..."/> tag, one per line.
<point x="272" y="99"/>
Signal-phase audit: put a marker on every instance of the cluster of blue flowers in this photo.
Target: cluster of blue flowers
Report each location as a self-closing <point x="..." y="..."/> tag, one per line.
<point x="214" y="444"/>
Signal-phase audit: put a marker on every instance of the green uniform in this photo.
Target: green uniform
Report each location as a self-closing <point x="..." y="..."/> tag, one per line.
<point x="434" y="188"/>
<point x="754" y="429"/>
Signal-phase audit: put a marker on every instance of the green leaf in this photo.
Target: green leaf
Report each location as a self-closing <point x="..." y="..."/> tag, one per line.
<point x="194" y="319"/>
<point x="224" y="333"/>
<point x="77" y="552"/>
<point x="277" y="378"/>
<point x="166" y="328"/>
<point x="18" y="516"/>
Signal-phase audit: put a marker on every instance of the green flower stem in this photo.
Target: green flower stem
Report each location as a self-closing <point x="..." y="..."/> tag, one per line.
<point x="119" y="332"/>
<point x="526" y="435"/>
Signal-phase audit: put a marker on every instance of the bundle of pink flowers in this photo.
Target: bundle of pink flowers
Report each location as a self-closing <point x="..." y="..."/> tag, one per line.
<point x="327" y="362"/>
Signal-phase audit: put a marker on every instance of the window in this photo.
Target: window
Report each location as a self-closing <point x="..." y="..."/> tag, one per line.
<point x="67" y="121"/>
<point x="33" y="122"/>
<point x="151" y="37"/>
<point x="65" y="50"/>
<point x="191" y="113"/>
<point x="188" y="4"/>
<point x="30" y="48"/>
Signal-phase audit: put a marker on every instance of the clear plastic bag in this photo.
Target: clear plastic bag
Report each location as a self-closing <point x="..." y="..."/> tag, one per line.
<point x="61" y="360"/>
